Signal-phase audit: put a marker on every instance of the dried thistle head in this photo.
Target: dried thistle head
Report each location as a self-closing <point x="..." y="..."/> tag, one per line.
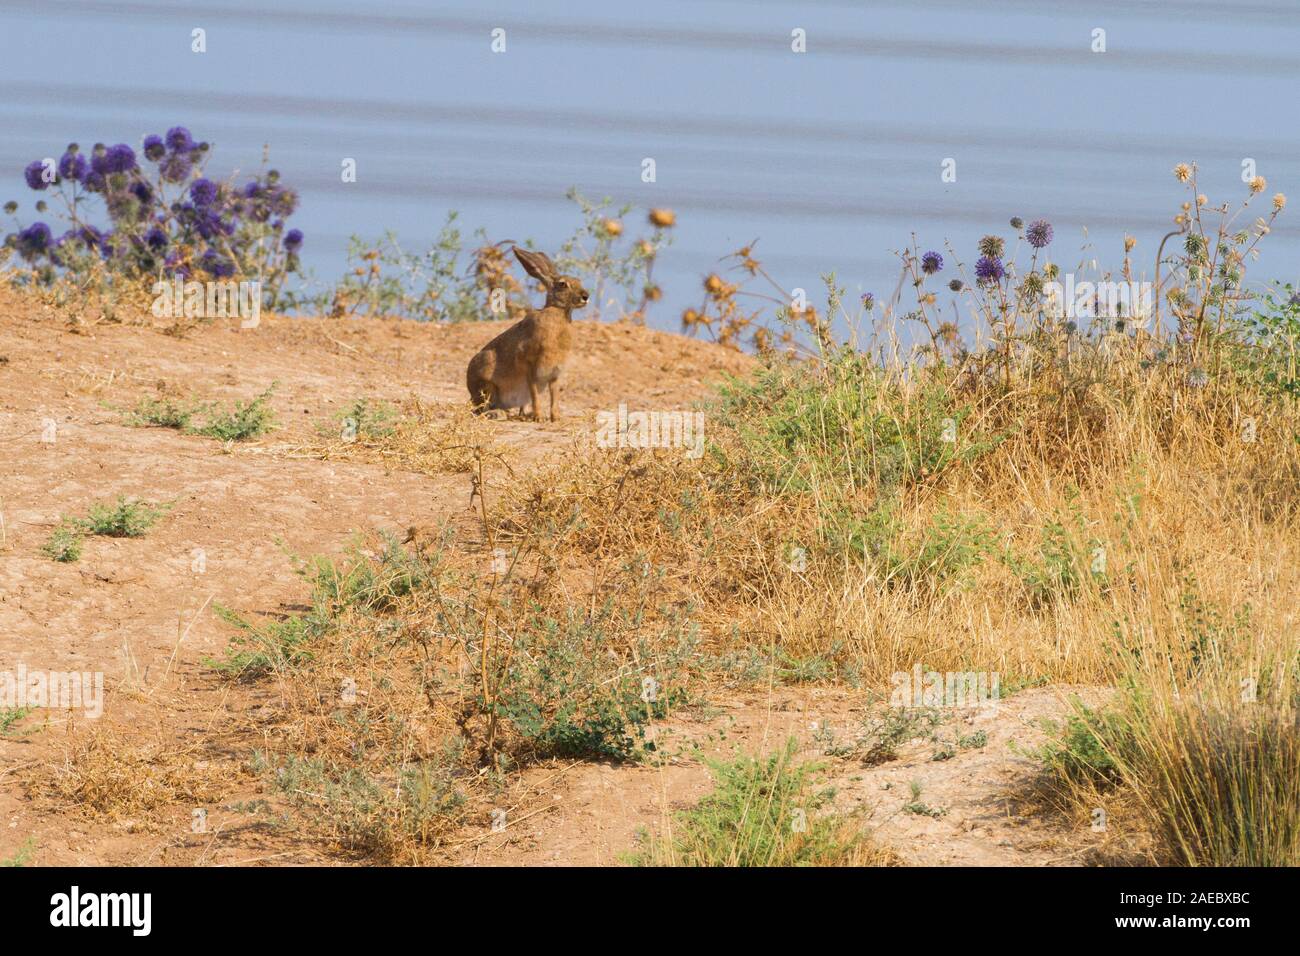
<point x="991" y="246"/>
<point x="1183" y="172"/>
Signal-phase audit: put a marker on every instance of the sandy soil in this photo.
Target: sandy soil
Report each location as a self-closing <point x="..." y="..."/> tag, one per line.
<point x="141" y="610"/>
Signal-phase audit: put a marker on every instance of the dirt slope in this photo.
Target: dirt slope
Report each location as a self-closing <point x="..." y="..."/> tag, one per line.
<point x="140" y="610"/>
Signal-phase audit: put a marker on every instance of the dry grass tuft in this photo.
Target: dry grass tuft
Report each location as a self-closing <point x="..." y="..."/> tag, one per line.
<point x="105" y="774"/>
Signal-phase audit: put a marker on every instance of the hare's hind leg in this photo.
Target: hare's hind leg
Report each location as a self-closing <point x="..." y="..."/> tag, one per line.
<point x="481" y="395"/>
<point x="478" y="379"/>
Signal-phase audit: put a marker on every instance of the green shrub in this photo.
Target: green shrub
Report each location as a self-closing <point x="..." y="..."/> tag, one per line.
<point x="845" y="424"/>
<point x="565" y="696"/>
<point x="161" y="413"/>
<point x="64" y="544"/>
<point x="762" y="812"/>
<point x="127" y="518"/>
<point x="246" y="420"/>
<point x="1085" y="749"/>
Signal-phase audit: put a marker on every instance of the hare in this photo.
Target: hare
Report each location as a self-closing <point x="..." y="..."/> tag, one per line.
<point x="510" y="371"/>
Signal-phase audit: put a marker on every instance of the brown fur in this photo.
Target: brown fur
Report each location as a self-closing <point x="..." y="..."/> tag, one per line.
<point x="510" y="371"/>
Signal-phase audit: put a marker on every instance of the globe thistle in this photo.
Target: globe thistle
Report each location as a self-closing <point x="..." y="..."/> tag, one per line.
<point x="122" y="207"/>
<point x="1039" y="233"/>
<point x="35" y="175"/>
<point x="1182" y="172"/>
<point x="216" y="265"/>
<point x="11" y="207"/>
<point x="956" y="285"/>
<point x="73" y="166"/>
<point x="156" y="239"/>
<point x="154" y="148"/>
<point x="178" y="140"/>
<point x="1197" y="378"/>
<point x="176" y="168"/>
<point x="283" y="201"/>
<point x="34" y="240"/>
<point x="1258" y="184"/>
<point x="141" y="190"/>
<point x="1017" y="223"/>
<point x="1279" y="202"/>
<point x="91" y="236"/>
<point x="293" y="240"/>
<point x="991" y="247"/>
<point x="868" y="300"/>
<point x="118" y="159"/>
<point x="204" y="192"/>
<point x="989" y="269"/>
<point x="931" y="263"/>
<point x="1033" y="284"/>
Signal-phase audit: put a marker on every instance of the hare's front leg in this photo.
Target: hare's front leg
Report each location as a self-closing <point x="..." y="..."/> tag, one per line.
<point x="554" y="388"/>
<point x="536" y="396"/>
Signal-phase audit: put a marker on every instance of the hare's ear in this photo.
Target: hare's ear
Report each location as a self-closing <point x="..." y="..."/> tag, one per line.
<point x="537" y="265"/>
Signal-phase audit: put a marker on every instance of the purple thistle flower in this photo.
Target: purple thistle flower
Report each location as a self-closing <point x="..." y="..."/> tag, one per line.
<point x="293" y="240"/>
<point x="156" y="239"/>
<point x="1039" y="233"/>
<point x="34" y="240"/>
<point x="179" y="140"/>
<point x="176" y="168"/>
<point x="91" y="236"/>
<point x="35" y="175"/>
<point x="119" y="159"/>
<point x="203" y="192"/>
<point x="989" y="269"/>
<point x="931" y="263"/>
<point x="214" y="263"/>
<point x="73" y="166"/>
<point x="141" y="191"/>
<point x="154" y="148"/>
<point x="283" y="201"/>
